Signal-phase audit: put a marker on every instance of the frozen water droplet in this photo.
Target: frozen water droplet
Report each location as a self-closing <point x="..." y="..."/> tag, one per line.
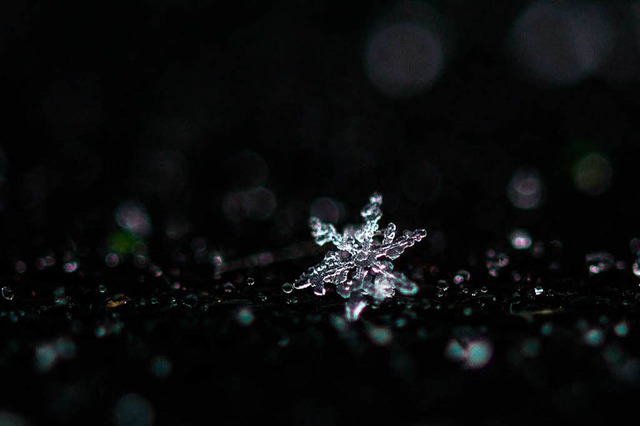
<point x="462" y="276"/>
<point x="250" y="281"/>
<point x="538" y="290"/>
<point x="520" y="239"/>
<point x="599" y="262"/>
<point x="287" y="287"/>
<point x="7" y="293"/>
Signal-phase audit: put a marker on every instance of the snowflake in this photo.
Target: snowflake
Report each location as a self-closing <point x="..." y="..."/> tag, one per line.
<point x="361" y="268"/>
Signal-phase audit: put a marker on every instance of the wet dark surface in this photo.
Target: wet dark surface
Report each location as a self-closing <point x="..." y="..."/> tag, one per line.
<point x="535" y="343"/>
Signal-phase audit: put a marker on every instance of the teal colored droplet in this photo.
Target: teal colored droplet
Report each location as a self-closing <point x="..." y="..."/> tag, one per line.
<point x="479" y="353"/>
<point x="101" y="331"/>
<point x="546" y="329"/>
<point x="621" y="329"/>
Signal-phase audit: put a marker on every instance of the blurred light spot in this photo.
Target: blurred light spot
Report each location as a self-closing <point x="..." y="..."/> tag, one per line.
<point x="112" y="260"/>
<point x="454" y="351"/>
<point x="474" y="354"/>
<point x="134" y="218"/>
<point x="327" y="209"/>
<point x="520" y="239"/>
<point x="403" y="58"/>
<point x="380" y="336"/>
<point x="594" y="337"/>
<point x="621" y="329"/>
<point x="245" y="315"/>
<point x="247" y="169"/>
<point x="562" y="42"/>
<point x="21" y="267"/>
<point x="45" y="357"/>
<point x="592" y="174"/>
<point x="479" y="353"/>
<point x="161" y="366"/>
<point x="530" y="347"/>
<point x="546" y="329"/>
<point x="133" y="410"/>
<point x="255" y="204"/>
<point x="70" y="267"/>
<point x="525" y="189"/>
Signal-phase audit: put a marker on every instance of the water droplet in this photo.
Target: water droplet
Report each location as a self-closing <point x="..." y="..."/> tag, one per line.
<point x="462" y="276"/>
<point x="250" y="281"/>
<point x="287" y="288"/>
<point x="102" y="289"/>
<point x="70" y="267"/>
<point x="520" y="239"/>
<point x="599" y="262"/>
<point x="538" y="290"/>
<point x="7" y="293"/>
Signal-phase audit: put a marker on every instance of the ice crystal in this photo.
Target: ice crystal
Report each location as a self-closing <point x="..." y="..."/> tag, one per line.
<point x="361" y="267"/>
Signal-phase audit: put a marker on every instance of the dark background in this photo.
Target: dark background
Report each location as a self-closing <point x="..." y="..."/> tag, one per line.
<point x="179" y="128"/>
<point x="178" y="106"/>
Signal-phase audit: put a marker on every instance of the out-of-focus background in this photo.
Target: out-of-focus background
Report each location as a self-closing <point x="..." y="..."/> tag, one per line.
<point x="174" y="120"/>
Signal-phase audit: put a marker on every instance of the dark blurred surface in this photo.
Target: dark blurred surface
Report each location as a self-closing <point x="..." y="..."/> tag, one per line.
<point x="182" y="130"/>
